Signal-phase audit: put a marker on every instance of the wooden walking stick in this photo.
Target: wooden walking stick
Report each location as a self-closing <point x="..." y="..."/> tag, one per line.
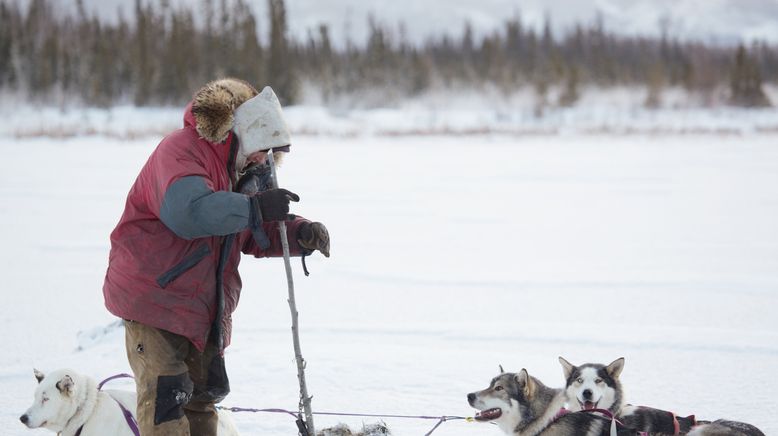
<point x="306" y="428"/>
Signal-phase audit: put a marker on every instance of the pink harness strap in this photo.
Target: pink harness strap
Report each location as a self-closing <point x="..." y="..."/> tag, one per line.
<point x="562" y="412"/>
<point x="676" y="425"/>
<point x="615" y="422"/>
<point x="606" y="414"/>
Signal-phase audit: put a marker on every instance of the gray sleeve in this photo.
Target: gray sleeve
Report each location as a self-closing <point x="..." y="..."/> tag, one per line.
<point x="191" y="210"/>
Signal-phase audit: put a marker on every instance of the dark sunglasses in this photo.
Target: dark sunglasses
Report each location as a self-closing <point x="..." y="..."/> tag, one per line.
<point x="285" y="149"/>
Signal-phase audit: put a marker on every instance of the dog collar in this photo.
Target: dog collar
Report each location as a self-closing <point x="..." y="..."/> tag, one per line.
<point x="78" y="432"/>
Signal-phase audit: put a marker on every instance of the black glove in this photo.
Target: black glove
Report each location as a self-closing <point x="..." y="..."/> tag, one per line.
<point x="314" y="236"/>
<point x="274" y="204"/>
<point x="256" y="178"/>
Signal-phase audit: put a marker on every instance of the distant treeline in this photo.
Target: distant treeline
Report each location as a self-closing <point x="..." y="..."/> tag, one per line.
<point x="161" y="56"/>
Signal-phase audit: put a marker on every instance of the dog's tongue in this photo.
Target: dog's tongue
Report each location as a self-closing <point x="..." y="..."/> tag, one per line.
<point x="488" y="415"/>
<point x="588" y="405"/>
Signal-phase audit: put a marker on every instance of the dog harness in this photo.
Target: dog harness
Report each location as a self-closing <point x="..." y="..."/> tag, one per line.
<point x="615" y="423"/>
<point x="676" y="425"/>
<point x="127" y="414"/>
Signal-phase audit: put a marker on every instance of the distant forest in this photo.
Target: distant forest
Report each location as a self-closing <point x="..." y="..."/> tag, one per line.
<point x="161" y="57"/>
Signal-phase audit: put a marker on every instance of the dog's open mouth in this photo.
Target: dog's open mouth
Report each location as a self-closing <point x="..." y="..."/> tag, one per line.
<point x="588" y="405"/>
<point x="488" y="414"/>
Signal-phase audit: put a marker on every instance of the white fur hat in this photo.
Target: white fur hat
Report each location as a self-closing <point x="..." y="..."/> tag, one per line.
<point x="260" y="125"/>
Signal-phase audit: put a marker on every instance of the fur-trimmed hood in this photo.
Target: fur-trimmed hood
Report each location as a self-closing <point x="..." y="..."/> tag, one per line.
<point x="259" y="124"/>
<point x="214" y="107"/>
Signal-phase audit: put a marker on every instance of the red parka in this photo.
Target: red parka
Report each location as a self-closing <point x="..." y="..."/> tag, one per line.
<point x="165" y="251"/>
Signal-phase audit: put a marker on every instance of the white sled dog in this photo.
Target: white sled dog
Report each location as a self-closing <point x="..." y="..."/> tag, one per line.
<point x="67" y="402"/>
<point x="523" y="406"/>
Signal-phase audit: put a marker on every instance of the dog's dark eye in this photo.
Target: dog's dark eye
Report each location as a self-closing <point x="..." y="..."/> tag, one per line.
<point x="598" y="381"/>
<point x="498" y="388"/>
<point x="579" y="380"/>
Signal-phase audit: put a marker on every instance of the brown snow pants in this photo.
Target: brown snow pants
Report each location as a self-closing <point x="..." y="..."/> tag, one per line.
<point x="177" y="384"/>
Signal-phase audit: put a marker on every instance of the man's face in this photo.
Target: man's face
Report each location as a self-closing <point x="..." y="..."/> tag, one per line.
<point x="258" y="157"/>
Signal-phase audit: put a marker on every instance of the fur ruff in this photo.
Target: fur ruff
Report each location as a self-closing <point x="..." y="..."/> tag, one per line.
<point x="214" y="107"/>
<point x="536" y="426"/>
<point x="87" y="397"/>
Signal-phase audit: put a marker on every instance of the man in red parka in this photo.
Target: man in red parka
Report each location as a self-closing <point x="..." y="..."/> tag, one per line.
<point x="173" y="267"/>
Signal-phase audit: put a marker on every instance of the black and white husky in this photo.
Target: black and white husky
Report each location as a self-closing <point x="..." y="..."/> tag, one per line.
<point x="597" y="386"/>
<point x="594" y="386"/>
<point x="523" y="406"/>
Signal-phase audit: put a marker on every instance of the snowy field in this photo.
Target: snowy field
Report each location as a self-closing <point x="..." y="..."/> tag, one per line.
<point x="450" y="255"/>
<point x="463" y="112"/>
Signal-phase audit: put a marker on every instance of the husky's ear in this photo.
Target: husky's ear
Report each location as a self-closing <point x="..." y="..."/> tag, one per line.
<point x="526" y="382"/>
<point x="502" y="371"/>
<point x="38" y="375"/>
<point x="686" y="422"/>
<point x="614" y="369"/>
<point x="567" y="367"/>
<point x="65" y="385"/>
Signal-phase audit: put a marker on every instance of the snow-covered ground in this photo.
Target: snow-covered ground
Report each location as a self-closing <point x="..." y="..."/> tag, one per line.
<point x="451" y="255"/>
<point x="462" y="112"/>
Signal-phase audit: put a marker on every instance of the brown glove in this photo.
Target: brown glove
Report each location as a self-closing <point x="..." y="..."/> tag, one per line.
<point x="314" y="236"/>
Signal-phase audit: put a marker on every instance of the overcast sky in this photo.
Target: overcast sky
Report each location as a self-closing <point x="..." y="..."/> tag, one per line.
<point x="717" y="21"/>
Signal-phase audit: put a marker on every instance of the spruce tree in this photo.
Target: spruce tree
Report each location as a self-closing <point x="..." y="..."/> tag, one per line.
<point x="143" y="74"/>
<point x="570" y="93"/>
<point x="421" y="73"/>
<point x="249" y="56"/>
<point x="173" y="84"/>
<point x="6" y="46"/>
<point x="746" y="82"/>
<point x="655" y="82"/>
<point x="281" y="75"/>
<point x="325" y="69"/>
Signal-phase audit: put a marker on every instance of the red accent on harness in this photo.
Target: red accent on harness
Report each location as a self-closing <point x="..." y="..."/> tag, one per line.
<point x="562" y="412"/>
<point x="607" y="414"/>
<point x="676" y="425"/>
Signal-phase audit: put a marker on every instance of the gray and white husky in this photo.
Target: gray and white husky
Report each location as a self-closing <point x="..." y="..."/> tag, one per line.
<point x="69" y="403"/>
<point x="523" y="406"/>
